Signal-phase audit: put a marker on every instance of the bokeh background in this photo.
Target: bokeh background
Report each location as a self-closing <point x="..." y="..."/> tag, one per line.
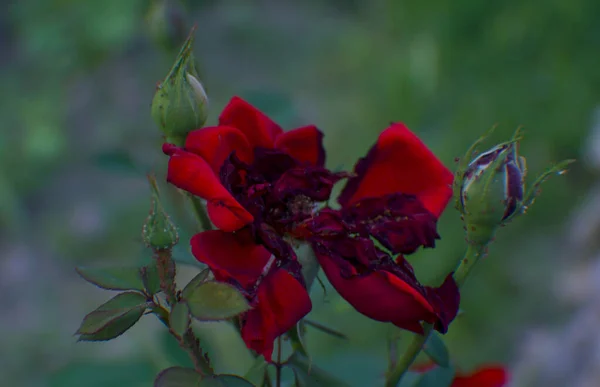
<point x="76" y="141"/>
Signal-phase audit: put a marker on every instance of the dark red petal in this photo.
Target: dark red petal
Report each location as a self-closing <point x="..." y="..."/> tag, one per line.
<point x="380" y="296"/>
<point x="400" y="162"/>
<point x="192" y="173"/>
<point x="282" y="302"/>
<point x="231" y="256"/>
<point x="214" y="144"/>
<point x="399" y="222"/>
<point x="491" y="376"/>
<point x="315" y="183"/>
<point x="445" y="300"/>
<point x="305" y="144"/>
<point x="258" y="128"/>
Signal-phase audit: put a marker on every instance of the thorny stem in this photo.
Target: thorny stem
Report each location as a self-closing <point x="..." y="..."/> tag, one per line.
<point x="278" y="364"/>
<point x="189" y="342"/>
<point x="200" y="212"/>
<point x="166" y="273"/>
<point x="472" y="255"/>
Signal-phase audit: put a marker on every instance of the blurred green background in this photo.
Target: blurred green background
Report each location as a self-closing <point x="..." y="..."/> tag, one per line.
<point x="77" y="139"/>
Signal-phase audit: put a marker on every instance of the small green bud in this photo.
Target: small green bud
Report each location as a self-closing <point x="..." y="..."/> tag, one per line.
<point x="159" y="232"/>
<point x="492" y="190"/>
<point x="180" y="103"/>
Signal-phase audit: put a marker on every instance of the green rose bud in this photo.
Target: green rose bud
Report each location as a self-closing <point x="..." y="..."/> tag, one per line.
<point x="159" y="232"/>
<point x="490" y="188"/>
<point x="492" y="191"/>
<point x="180" y="104"/>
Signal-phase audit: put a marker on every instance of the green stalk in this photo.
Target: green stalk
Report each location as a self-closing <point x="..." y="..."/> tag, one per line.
<point x="472" y="255"/>
<point x="200" y="213"/>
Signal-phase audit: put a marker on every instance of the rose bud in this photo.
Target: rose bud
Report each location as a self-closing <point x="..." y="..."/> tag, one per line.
<point x="490" y="188"/>
<point x="492" y="191"/>
<point x="180" y="104"/>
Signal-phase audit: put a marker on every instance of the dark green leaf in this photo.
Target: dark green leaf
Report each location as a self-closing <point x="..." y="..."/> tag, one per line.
<point x="112" y="318"/>
<point x="256" y="373"/>
<point x="116" y="327"/>
<point x="150" y="279"/>
<point x="436" y="349"/>
<point x="309" y="375"/>
<point x="179" y="319"/>
<point x="225" y="381"/>
<point x="216" y="301"/>
<point x="178" y="377"/>
<point x="437" y="377"/>
<point x="195" y="282"/>
<point x="121" y="278"/>
<point x="124" y="300"/>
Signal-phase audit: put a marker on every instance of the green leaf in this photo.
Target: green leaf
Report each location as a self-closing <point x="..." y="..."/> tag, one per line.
<point x="216" y="301"/>
<point x="178" y="377"/>
<point x="116" y="327"/>
<point x="112" y="318"/>
<point x="122" y="278"/>
<point x="150" y="279"/>
<point x="256" y="373"/>
<point x="437" y="377"/>
<point x="195" y="282"/>
<point x="436" y="349"/>
<point x="308" y="375"/>
<point x="179" y="319"/>
<point x="225" y="381"/>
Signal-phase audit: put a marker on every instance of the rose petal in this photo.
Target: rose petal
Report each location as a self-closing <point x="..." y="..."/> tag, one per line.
<point x="305" y="144"/>
<point x="192" y="173"/>
<point x="282" y="302"/>
<point x="259" y="129"/>
<point x="214" y="144"/>
<point x="380" y="296"/>
<point x="231" y="256"/>
<point x="315" y="183"/>
<point x="398" y="221"/>
<point x="400" y="162"/>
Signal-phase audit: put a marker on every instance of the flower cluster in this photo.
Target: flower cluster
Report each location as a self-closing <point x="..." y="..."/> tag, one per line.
<point x="266" y="189"/>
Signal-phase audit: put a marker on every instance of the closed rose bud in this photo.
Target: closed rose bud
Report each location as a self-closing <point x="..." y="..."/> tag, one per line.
<point x="180" y="104"/>
<point x="492" y="191"/>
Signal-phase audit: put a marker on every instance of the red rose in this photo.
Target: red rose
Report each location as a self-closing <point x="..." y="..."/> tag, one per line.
<point x="259" y="184"/>
<point x="399" y="191"/>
